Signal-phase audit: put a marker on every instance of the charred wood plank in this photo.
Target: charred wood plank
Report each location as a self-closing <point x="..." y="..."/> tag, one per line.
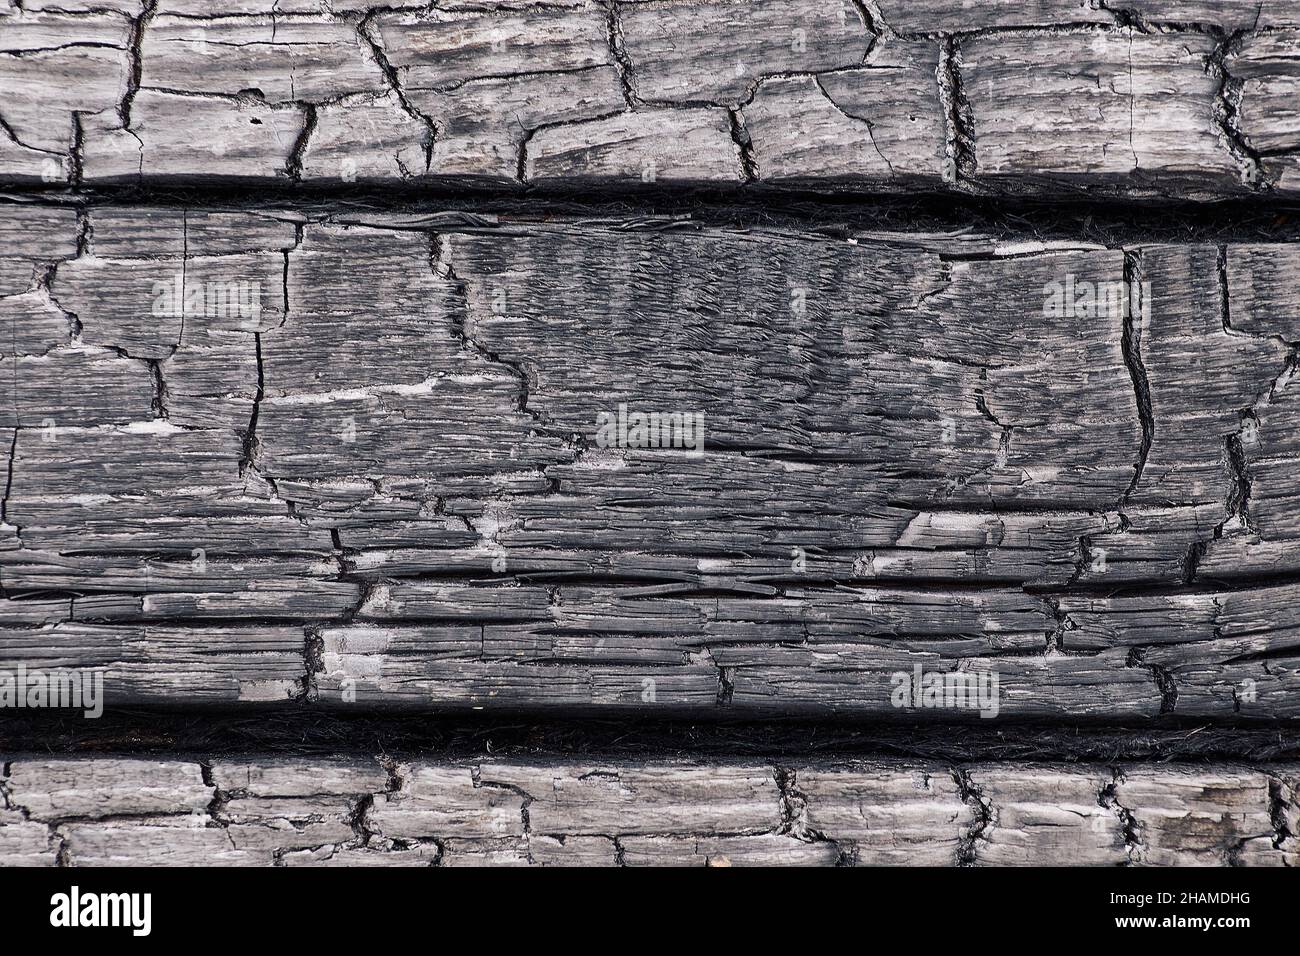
<point x="385" y="461"/>
<point x="1151" y="99"/>
<point x="269" y="810"/>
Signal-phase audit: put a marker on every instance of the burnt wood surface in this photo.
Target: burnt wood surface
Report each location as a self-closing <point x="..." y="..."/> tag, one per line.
<point x="270" y="810"/>
<point x="384" y="485"/>
<point x="967" y="530"/>
<point x="1149" y="98"/>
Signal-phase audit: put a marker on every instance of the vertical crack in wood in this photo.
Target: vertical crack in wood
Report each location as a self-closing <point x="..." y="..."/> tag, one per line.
<point x="313" y="654"/>
<point x="618" y="52"/>
<point x="1277" y="811"/>
<point x="744" y="145"/>
<point x="394" y="771"/>
<point x="365" y="30"/>
<point x="1130" y="827"/>
<point x="1135" y="310"/>
<point x="248" y="452"/>
<point x="871" y="129"/>
<point x="4" y="503"/>
<point x="62" y="854"/>
<point x="872" y="20"/>
<point x="959" y="158"/>
<point x="982" y="812"/>
<point x="218" y="802"/>
<point x="358" y="818"/>
<point x="1237" y="501"/>
<point x="1163" y="678"/>
<point x="54" y="836"/>
<point x="135" y="61"/>
<point x="793" y="804"/>
<point x="76" y="155"/>
<point x="440" y="262"/>
<point x="369" y="594"/>
<point x="1236" y="462"/>
<point x="1167" y="686"/>
<point x="159" y="403"/>
<point x="1226" y="111"/>
<point x="293" y="164"/>
<point x="1060" y="617"/>
<point x="526" y="800"/>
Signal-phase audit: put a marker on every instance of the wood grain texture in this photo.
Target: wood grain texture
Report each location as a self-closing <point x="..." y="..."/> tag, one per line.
<point x="269" y="810"/>
<point x="1057" y="97"/>
<point x="356" y="461"/>
<point x="575" y="503"/>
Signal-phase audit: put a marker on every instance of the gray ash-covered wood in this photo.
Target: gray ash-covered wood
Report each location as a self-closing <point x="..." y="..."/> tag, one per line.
<point x="1149" y="98"/>
<point x="359" y="811"/>
<point x="1089" y="107"/>
<point x="358" y="461"/>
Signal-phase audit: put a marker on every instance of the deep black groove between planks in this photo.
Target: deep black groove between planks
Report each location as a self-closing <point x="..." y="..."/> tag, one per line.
<point x="290" y="731"/>
<point x="1106" y="221"/>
